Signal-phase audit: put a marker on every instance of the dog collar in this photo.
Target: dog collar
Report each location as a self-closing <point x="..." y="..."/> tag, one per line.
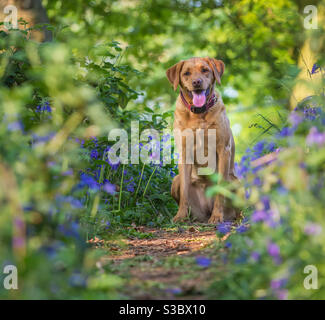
<point x="212" y="100"/>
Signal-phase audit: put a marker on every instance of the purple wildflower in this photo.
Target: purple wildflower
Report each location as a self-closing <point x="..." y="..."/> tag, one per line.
<point x="88" y="181"/>
<point x="278" y="283"/>
<point x="109" y="188"/>
<point x="257" y="182"/>
<point x="315" y="137"/>
<point x="312" y="229"/>
<point x="77" y="280"/>
<point x="242" y="258"/>
<point x="18" y="242"/>
<point x="274" y="251"/>
<point x="295" y="118"/>
<point x="259" y="215"/>
<point x="173" y="290"/>
<point x="315" y="68"/>
<point x="203" y="261"/>
<point x="282" y="294"/>
<point x="266" y="202"/>
<point x="285" y="132"/>
<point x="255" y="256"/>
<point x="242" y="228"/>
<point x="94" y="154"/>
<point x="15" y="126"/>
<point x="68" y="172"/>
<point x="258" y="149"/>
<point x="228" y="245"/>
<point x="224" y="227"/>
<point x="130" y="187"/>
<point x="271" y="147"/>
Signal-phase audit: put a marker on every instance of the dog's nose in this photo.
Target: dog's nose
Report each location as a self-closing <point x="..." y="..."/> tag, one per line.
<point x="197" y="83"/>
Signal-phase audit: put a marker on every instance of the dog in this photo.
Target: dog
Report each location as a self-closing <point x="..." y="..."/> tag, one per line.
<point x="199" y="107"/>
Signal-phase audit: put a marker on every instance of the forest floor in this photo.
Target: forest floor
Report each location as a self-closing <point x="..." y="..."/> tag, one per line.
<point x="164" y="263"/>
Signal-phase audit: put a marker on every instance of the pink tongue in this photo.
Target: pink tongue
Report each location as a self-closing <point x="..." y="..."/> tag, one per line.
<point x="199" y="99"/>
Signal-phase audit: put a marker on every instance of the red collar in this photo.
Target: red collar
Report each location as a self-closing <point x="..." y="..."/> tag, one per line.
<point x="212" y="100"/>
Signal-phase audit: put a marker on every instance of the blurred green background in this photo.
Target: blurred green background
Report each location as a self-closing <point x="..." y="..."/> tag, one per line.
<point x="75" y="69"/>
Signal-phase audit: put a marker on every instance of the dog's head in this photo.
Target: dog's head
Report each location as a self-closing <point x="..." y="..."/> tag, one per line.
<point x="196" y="76"/>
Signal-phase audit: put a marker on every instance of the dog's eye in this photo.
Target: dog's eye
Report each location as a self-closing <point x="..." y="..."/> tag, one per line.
<point x="187" y="73"/>
<point x="205" y="70"/>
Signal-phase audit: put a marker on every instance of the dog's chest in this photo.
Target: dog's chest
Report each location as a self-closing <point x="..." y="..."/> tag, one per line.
<point x="202" y="137"/>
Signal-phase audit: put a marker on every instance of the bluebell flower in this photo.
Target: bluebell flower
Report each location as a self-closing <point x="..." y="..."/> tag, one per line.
<point x="285" y="132"/>
<point x="228" y="245"/>
<point x="88" y="181"/>
<point x="271" y="147"/>
<point x="15" y="126"/>
<point x="224" y="227"/>
<point x="74" y="202"/>
<point x="315" y="137"/>
<point x="259" y="215"/>
<point x="247" y="193"/>
<point x="278" y="283"/>
<point x="173" y="290"/>
<point x="295" y="119"/>
<point x="165" y="138"/>
<point x="241" y="259"/>
<point x="203" y="261"/>
<point x="312" y="229"/>
<point x="259" y="147"/>
<point x="282" y="190"/>
<point x="94" y="154"/>
<point x="242" y="228"/>
<point x="130" y="187"/>
<point x="77" y="280"/>
<point x="40" y="140"/>
<point x="68" y="172"/>
<point x="45" y="107"/>
<point x="315" y="68"/>
<point x="255" y="256"/>
<point x="257" y="181"/>
<point x="274" y="251"/>
<point x="51" y="250"/>
<point x="71" y="230"/>
<point x="172" y="173"/>
<point x="266" y="202"/>
<point x="109" y="188"/>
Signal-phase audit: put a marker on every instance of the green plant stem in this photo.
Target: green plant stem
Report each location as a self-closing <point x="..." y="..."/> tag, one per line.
<point x="97" y="197"/>
<point x="121" y="188"/>
<point x="136" y="192"/>
<point x="95" y="205"/>
<point x="147" y="185"/>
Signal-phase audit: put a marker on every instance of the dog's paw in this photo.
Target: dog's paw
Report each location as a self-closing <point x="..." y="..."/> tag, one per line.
<point x="214" y="219"/>
<point x="179" y="218"/>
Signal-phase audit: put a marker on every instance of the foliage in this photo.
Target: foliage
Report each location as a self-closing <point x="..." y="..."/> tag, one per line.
<point x="60" y="99"/>
<point x="283" y="231"/>
<point x="53" y="105"/>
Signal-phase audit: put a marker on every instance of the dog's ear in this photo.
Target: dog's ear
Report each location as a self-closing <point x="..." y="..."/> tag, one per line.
<point x="218" y="68"/>
<point x="173" y="74"/>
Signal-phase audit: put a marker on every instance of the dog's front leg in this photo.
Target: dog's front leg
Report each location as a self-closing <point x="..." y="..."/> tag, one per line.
<point x="184" y="176"/>
<point x="223" y="170"/>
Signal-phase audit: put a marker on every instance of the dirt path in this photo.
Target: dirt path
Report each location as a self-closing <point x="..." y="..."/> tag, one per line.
<point x="167" y="263"/>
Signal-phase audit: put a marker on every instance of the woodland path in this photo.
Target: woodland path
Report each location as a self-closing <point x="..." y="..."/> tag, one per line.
<point x="165" y="263"/>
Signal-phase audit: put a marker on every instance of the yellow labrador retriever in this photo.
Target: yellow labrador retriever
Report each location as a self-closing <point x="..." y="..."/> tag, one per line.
<point x="199" y="107"/>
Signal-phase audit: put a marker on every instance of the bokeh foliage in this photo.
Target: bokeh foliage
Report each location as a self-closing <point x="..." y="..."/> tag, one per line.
<point x="59" y="99"/>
